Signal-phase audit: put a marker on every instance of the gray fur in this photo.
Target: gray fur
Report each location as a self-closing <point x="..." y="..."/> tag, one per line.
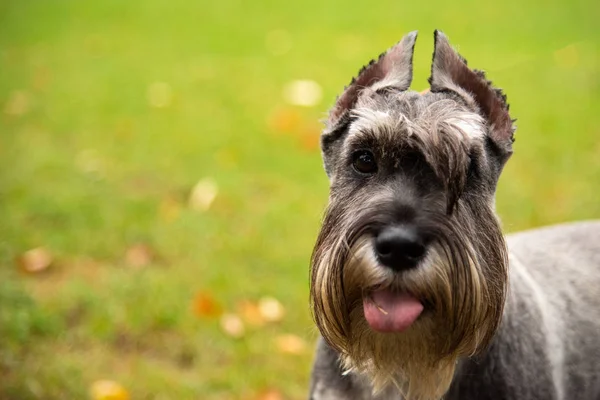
<point x="525" y="320"/>
<point x="548" y="345"/>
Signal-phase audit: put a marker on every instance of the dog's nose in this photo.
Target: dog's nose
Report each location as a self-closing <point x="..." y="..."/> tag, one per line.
<point x="399" y="247"/>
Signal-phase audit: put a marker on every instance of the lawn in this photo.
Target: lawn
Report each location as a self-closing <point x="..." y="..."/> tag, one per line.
<point x="112" y="114"/>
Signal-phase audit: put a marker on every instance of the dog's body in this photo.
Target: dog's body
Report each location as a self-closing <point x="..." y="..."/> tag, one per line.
<point x="414" y="289"/>
<point x="548" y="345"/>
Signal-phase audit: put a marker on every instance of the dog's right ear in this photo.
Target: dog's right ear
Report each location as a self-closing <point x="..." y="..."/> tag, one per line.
<point x="393" y="69"/>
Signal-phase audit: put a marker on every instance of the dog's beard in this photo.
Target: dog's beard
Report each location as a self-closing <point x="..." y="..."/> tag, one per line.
<point x="417" y="360"/>
<point x="462" y="313"/>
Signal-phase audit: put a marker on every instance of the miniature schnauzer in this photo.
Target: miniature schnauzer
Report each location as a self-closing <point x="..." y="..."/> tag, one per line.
<point x="415" y="291"/>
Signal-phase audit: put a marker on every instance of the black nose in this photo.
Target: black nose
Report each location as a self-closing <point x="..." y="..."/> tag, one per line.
<point x="399" y="247"/>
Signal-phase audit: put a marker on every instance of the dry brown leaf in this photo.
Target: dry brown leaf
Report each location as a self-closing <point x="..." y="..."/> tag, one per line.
<point x="290" y="344"/>
<point x="284" y="120"/>
<point x="160" y="95"/>
<point x="18" y="103"/>
<point x="108" y="390"/>
<point x="139" y="255"/>
<point x="310" y="138"/>
<point x="35" y="260"/>
<point x="250" y="313"/>
<point x="271" y="309"/>
<point x="269" y="394"/>
<point x="203" y="194"/>
<point x="205" y="305"/>
<point x="232" y="325"/>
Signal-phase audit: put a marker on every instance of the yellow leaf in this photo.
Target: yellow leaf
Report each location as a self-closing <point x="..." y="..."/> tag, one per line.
<point x="232" y="325"/>
<point x="303" y="92"/>
<point x="290" y="344"/>
<point x="250" y="313"/>
<point x="203" y="194"/>
<point x="271" y="309"/>
<point x="139" y="255"/>
<point x="108" y="390"/>
<point x="35" y="260"/>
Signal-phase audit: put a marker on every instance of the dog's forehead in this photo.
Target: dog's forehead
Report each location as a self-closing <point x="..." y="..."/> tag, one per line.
<point x="397" y="115"/>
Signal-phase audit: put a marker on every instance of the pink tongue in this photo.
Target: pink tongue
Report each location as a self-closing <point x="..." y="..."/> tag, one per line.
<point x="388" y="311"/>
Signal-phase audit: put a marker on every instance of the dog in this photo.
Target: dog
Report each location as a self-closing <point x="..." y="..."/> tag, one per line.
<point x="416" y="292"/>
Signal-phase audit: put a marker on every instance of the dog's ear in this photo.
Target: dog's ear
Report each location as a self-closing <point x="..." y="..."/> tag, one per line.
<point x="392" y="69"/>
<point x="449" y="72"/>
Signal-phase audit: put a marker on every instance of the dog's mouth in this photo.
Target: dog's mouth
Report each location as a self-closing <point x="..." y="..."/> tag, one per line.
<point x="389" y="311"/>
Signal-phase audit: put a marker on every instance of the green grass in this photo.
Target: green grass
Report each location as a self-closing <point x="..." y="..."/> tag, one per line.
<point x="85" y="69"/>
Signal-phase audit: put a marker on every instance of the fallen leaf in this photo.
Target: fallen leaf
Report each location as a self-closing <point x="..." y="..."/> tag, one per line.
<point x="310" y="138"/>
<point x="169" y="210"/>
<point x="303" y="92"/>
<point x="108" y="390"/>
<point x="271" y="309"/>
<point x="160" y="94"/>
<point x="35" y="260"/>
<point x="203" y="194"/>
<point x="269" y="394"/>
<point x="139" y="255"/>
<point x="290" y="344"/>
<point x="232" y="325"/>
<point x="205" y="305"/>
<point x="278" y="42"/>
<point x="284" y="120"/>
<point x="18" y="103"/>
<point x="250" y="313"/>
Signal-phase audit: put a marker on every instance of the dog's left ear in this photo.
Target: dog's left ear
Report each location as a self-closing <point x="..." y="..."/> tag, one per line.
<point x="449" y="72"/>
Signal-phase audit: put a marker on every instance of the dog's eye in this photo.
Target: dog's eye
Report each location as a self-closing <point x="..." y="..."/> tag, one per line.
<point x="363" y="161"/>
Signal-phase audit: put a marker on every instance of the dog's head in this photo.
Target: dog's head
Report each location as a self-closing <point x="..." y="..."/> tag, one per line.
<point x="409" y="271"/>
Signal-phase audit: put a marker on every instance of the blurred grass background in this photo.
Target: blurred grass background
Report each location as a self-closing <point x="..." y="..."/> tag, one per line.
<point x="112" y="111"/>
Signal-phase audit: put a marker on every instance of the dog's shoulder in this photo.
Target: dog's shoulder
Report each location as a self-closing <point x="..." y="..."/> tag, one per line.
<point x="582" y="237"/>
<point x="561" y="261"/>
